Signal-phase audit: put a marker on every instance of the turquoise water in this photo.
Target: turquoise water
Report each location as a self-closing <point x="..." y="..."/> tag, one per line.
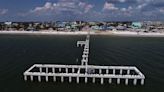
<point x="19" y="52"/>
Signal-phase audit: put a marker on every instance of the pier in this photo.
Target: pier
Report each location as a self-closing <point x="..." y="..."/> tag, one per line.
<point x="85" y="72"/>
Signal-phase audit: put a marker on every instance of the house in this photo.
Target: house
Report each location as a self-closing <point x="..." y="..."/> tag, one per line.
<point x="121" y="28"/>
<point x="60" y="26"/>
<point x="95" y="28"/>
<point x="110" y="28"/>
<point x="136" y="25"/>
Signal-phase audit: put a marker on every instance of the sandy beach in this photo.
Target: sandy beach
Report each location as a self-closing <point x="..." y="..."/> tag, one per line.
<point x="44" y="32"/>
<point x="140" y="34"/>
<point x="114" y="33"/>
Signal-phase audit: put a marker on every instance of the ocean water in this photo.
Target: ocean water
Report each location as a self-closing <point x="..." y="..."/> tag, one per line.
<point x="19" y="52"/>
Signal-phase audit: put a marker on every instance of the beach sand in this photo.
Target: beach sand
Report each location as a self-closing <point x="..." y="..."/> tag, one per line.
<point x="114" y="33"/>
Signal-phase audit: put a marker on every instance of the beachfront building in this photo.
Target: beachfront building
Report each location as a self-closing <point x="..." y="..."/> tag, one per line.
<point x="15" y="26"/>
<point x="2" y="26"/>
<point x="30" y="28"/>
<point x="95" y="28"/>
<point x="110" y="28"/>
<point x="8" y="25"/>
<point x="68" y="27"/>
<point x="154" y="26"/>
<point x="60" y="26"/>
<point x="99" y="28"/>
<point x="137" y="25"/>
<point x="74" y="26"/>
<point x="121" y="28"/>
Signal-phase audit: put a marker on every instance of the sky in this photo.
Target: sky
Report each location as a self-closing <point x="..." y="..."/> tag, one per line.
<point x="81" y="10"/>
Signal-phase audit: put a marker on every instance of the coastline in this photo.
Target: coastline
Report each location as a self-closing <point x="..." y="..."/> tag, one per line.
<point x="43" y="33"/>
<point x="110" y="33"/>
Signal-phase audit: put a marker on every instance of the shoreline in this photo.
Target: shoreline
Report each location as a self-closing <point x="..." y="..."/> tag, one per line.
<point x="110" y="33"/>
<point x="43" y="33"/>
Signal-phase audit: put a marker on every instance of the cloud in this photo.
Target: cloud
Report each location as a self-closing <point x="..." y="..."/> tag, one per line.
<point x="122" y="1"/>
<point x="3" y="11"/>
<point x="62" y="10"/>
<point x="146" y="1"/>
<point x="161" y="10"/>
<point x="133" y="9"/>
<point x="141" y="6"/>
<point x="48" y="6"/>
<point x="109" y="6"/>
<point x="129" y="9"/>
<point x="110" y="9"/>
<point x="73" y="6"/>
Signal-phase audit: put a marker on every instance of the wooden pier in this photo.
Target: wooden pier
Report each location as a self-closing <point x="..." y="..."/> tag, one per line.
<point x="85" y="72"/>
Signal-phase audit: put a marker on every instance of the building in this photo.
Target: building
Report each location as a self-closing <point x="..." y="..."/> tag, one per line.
<point x="136" y="25"/>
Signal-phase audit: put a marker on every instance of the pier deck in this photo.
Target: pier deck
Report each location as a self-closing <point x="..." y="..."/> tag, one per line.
<point x="78" y="71"/>
<point x="85" y="71"/>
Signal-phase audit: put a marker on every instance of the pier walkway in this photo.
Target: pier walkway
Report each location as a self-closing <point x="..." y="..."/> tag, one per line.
<point x="85" y="72"/>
